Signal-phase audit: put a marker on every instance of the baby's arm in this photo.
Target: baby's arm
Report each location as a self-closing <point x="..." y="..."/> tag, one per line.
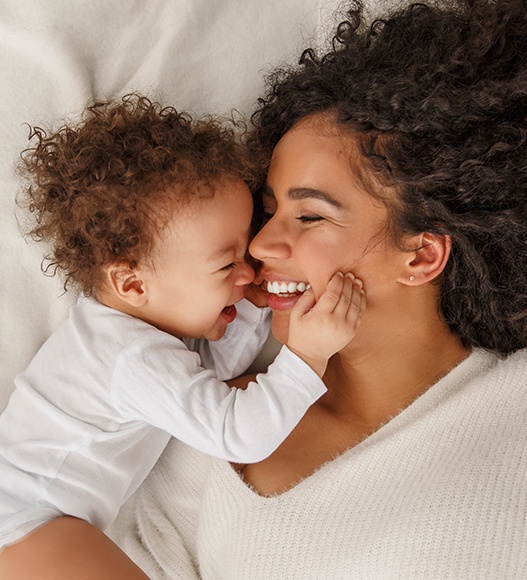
<point x="243" y="426"/>
<point x="244" y="338"/>
<point x="319" y="330"/>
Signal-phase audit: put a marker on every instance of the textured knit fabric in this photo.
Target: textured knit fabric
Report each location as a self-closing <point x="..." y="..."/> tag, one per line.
<point x="439" y="492"/>
<point x="98" y="403"/>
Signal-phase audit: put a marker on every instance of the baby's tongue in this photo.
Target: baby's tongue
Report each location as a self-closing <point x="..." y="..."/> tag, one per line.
<point x="229" y="313"/>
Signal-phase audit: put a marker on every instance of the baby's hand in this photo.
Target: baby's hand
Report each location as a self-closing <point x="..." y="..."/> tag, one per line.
<point x="320" y="329"/>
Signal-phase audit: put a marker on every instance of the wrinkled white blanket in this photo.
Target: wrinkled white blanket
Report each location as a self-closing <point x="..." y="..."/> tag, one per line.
<point x="204" y="56"/>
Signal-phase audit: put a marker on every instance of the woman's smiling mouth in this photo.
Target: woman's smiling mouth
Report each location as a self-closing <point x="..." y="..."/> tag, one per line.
<point x="286" y="288"/>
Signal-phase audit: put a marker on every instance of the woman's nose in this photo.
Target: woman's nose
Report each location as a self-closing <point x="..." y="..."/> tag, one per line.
<point x="270" y="242"/>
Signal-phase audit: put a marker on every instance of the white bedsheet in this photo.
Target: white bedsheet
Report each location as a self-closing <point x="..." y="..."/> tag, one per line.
<point x="56" y="56"/>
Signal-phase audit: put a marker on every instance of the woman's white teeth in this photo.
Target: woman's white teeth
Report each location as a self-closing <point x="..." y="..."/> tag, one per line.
<point x="286" y="287"/>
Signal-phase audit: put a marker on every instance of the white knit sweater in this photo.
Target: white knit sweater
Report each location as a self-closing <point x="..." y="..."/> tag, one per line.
<point x="439" y="492"/>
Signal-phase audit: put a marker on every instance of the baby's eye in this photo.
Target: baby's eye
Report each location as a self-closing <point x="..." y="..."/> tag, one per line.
<point x="309" y="219"/>
<point x="229" y="266"/>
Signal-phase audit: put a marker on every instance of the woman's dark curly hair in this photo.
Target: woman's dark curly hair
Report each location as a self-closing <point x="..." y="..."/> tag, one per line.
<point x="437" y="96"/>
<point x="101" y="190"/>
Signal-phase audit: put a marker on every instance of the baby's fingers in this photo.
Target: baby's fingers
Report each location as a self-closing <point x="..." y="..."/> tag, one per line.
<point x="346" y="296"/>
<point x="332" y="294"/>
<point x="358" y="302"/>
<point x="352" y="301"/>
<point x="305" y="303"/>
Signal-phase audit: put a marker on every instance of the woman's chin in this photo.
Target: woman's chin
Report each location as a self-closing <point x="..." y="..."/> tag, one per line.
<point x="280" y="325"/>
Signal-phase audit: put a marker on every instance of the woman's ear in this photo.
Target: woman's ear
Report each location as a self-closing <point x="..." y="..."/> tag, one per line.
<point x="126" y="283"/>
<point x="428" y="260"/>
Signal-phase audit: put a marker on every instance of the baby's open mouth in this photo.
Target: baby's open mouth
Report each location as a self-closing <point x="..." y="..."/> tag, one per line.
<point x="229" y="312"/>
<point x="286" y="288"/>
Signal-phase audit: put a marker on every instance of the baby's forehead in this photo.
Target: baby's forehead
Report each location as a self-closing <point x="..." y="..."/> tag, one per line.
<point x="220" y="200"/>
<point x="210" y="226"/>
<point x="194" y="194"/>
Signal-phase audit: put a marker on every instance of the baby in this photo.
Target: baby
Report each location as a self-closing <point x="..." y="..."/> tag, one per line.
<point x="148" y="214"/>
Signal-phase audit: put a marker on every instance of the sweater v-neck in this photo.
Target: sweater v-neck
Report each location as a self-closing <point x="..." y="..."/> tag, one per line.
<point x="467" y="371"/>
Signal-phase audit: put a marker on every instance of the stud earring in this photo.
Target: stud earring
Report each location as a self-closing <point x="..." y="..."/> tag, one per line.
<point x="412" y="278"/>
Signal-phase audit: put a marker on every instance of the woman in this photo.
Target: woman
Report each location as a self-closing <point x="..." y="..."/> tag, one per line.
<point x="400" y="155"/>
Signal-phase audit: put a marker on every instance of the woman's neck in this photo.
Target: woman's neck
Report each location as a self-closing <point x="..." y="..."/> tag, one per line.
<point x="378" y="375"/>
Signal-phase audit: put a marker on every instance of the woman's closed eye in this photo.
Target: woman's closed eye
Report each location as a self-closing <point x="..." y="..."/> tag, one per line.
<point x="303" y="218"/>
<point x="309" y="218"/>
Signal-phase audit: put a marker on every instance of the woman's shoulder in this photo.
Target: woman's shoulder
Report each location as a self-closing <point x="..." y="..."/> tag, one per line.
<point x="498" y="374"/>
<point x="487" y="373"/>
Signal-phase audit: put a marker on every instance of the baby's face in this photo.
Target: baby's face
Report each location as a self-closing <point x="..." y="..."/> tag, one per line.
<point x="199" y="269"/>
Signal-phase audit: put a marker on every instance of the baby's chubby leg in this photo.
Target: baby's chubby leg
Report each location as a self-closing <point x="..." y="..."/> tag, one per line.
<point x="67" y="548"/>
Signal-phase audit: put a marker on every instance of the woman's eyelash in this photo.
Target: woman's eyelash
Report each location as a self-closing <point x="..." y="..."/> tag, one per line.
<point x="309" y="219"/>
<point x="229" y="266"/>
<point x="306" y="219"/>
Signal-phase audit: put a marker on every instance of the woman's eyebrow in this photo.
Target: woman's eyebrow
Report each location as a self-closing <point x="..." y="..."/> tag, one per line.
<point x="297" y="193"/>
<point x="309" y="193"/>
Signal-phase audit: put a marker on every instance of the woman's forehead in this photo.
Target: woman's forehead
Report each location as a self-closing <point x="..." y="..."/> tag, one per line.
<point x="319" y="153"/>
<point x="311" y="139"/>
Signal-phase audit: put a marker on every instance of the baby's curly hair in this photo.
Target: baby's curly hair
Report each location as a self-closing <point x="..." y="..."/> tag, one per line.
<point x="101" y="190"/>
<point x="437" y="96"/>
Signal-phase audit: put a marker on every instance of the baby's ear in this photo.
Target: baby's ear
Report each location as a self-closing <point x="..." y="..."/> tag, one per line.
<point x="428" y="260"/>
<point x="126" y="283"/>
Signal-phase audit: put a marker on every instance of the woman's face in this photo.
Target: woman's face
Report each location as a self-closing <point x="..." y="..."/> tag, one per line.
<point x="321" y="219"/>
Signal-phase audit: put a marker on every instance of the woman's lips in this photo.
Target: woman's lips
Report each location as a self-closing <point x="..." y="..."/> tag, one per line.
<point x="277" y="302"/>
<point x="283" y="294"/>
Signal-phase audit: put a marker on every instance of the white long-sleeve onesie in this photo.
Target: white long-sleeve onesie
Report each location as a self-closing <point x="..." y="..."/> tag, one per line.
<point x="97" y="405"/>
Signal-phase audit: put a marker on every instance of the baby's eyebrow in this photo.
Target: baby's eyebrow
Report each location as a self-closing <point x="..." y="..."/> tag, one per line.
<point x="297" y="193"/>
<point x="223" y="251"/>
